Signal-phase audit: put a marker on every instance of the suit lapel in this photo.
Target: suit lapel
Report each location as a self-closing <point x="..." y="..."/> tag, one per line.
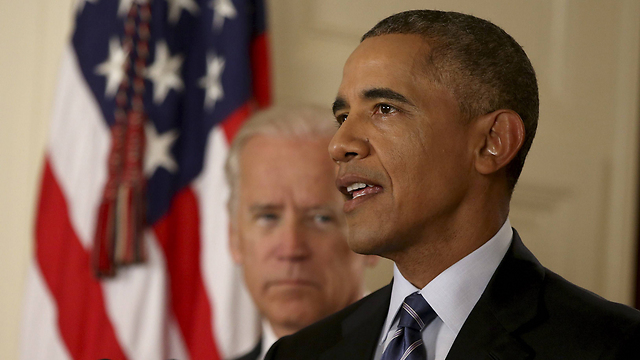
<point x="509" y="302"/>
<point x="360" y="331"/>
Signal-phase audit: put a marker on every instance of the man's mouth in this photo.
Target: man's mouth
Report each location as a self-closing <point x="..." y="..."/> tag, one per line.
<point x="291" y="283"/>
<point x="359" y="189"/>
<point x="356" y="189"/>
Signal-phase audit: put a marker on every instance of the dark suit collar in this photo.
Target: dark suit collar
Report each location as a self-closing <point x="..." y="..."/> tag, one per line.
<point x="360" y="330"/>
<point x="509" y="303"/>
<point x="254" y="353"/>
<point x="515" y="289"/>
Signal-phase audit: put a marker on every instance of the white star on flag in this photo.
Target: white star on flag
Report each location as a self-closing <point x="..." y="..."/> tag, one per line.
<point x="176" y="6"/>
<point x="211" y="82"/>
<point x="158" y="150"/>
<point x="164" y="72"/>
<point x="125" y="6"/>
<point x="222" y="9"/>
<point x="80" y="4"/>
<point x="113" y="67"/>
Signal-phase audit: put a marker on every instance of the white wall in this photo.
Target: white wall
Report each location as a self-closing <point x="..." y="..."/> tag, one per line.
<point x="32" y="35"/>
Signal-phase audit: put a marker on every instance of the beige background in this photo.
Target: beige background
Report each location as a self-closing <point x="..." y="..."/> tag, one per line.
<point x="575" y="206"/>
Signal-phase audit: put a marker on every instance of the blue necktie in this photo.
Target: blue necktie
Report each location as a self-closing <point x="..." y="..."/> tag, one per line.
<point x="406" y="343"/>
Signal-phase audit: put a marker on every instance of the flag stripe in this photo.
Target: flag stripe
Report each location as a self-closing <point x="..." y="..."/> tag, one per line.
<point x="136" y="299"/>
<point x="178" y="233"/>
<point x="234" y="122"/>
<point x="50" y="346"/>
<point x="79" y="143"/>
<point x="261" y="69"/>
<point x="82" y="319"/>
<point x="174" y="347"/>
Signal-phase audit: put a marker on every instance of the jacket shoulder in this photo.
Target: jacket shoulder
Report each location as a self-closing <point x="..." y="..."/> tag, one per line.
<point x="551" y="317"/>
<point x="567" y="301"/>
<point x="579" y="322"/>
<point x="565" y="297"/>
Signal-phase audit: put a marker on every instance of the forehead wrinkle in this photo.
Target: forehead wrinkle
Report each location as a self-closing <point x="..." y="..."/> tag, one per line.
<point x="323" y="206"/>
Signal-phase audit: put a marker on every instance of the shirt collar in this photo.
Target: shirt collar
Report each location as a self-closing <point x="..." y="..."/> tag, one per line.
<point x="455" y="291"/>
<point x="268" y="338"/>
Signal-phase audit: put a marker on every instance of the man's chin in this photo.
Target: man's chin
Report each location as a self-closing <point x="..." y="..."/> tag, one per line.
<point x="295" y="315"/>
<point x="365" y="242"/>
<point x="292" y="299"/>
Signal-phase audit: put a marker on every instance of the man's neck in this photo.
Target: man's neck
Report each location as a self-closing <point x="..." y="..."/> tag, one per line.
<point x="440" y="247"/>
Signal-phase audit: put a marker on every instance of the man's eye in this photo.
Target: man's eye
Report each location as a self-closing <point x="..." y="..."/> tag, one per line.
<point x="386" y="109"/>
<point x="322" y="219"/>
<point x="267" y="217"/>
<point x="341" y="118"/>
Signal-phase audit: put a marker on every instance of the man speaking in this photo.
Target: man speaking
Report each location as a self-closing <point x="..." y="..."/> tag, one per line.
<point x="437" y="111"/>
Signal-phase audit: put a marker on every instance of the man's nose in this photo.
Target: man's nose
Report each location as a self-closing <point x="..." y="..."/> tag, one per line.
<point x="350" y="141"/>
<point x="293" y="242"/>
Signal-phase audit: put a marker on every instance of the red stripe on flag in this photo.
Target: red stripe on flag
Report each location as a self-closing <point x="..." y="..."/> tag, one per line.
<point x="261" y="69"/>
<point x="178" y="233"/>
<point x="234" y="122"/>
<point x="66" y="267"/>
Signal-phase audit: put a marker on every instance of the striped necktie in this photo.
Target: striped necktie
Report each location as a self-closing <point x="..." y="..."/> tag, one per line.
<point x="406" y="343"/>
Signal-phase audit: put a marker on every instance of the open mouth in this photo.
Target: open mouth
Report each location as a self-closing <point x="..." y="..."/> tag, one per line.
<point x="360" y="189"/>
<point x="356" y="190"/>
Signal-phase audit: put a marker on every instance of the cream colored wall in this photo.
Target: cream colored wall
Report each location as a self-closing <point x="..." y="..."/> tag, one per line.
<point x="311" y="39"/>
<point x="32" y="35"/>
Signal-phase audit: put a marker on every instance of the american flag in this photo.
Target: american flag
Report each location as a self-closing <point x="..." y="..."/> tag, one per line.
<point x="131" y="258"/>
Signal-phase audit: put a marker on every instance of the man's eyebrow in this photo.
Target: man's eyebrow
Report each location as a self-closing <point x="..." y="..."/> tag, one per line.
<point x="339" y="104"/>
<point x="257" y="208"/>
<point x="385" y="93"/>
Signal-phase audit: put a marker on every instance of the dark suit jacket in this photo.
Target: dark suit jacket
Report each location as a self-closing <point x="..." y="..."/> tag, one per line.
<point x="253" y="354"/>
<point x="526" y="312"/>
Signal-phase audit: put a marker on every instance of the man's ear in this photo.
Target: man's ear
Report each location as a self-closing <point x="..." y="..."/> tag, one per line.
<point x="234" y="244"/>
<point x="500" y="135"/>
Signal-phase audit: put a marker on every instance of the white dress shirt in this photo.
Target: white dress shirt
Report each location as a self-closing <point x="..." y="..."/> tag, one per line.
<point x="452" y="295"/>
<point x="268" y="338"/>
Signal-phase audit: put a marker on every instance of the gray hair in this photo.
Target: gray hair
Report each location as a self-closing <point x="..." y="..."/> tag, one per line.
<point x="277" y="121"/>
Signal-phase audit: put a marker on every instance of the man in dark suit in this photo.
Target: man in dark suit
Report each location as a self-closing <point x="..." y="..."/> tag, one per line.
<point x="437" y="111"/>
<point x="288" y="232"/>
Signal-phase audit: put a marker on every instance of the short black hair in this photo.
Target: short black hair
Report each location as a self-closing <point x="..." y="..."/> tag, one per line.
<point x="483" y="67"/>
